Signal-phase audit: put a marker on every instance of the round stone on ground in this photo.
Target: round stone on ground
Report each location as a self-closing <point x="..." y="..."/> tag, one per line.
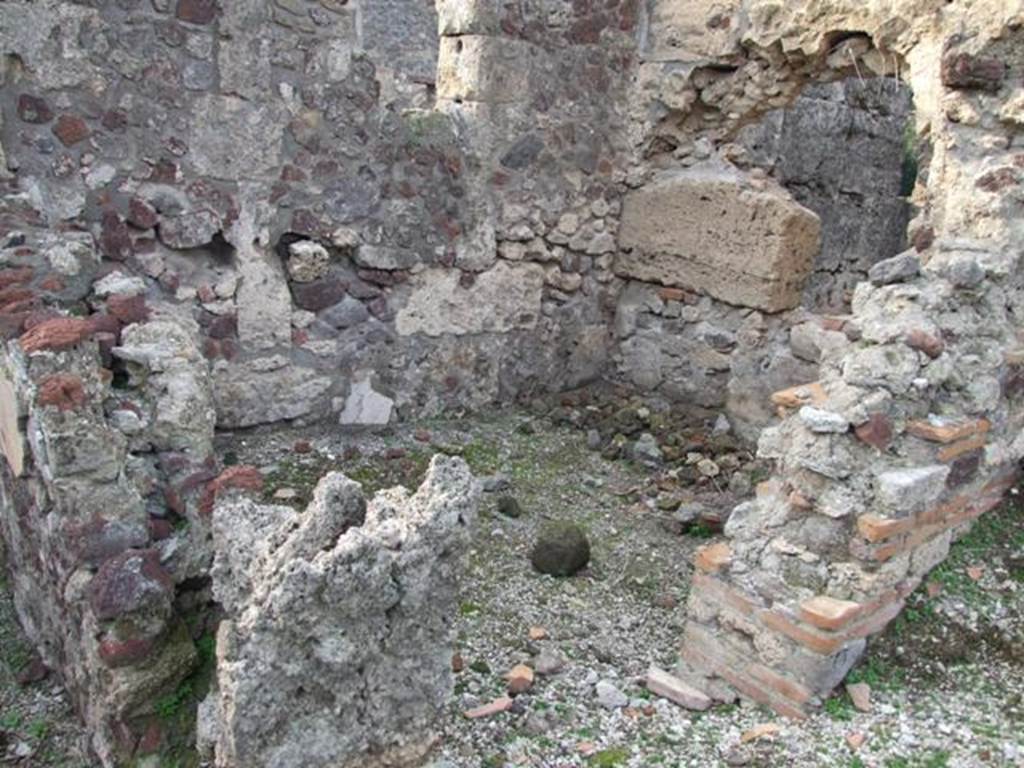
<point x="509" y="507"/>
<point x="561" y="549"/>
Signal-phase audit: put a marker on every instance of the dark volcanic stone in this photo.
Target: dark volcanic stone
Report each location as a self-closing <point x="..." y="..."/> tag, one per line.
<point x="319" y="294"/>
<point x="966" y="72"/>
<point x="523" y="153"/>
<point x="196" y="11"/>
<point x="33" y="109"/>
<point x="561" y="549"/>
<point x="133" y="581"/>
<point x="509" y="507"/>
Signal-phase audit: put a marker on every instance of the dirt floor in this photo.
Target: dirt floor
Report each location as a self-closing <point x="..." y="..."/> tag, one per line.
<point x="947" y="677"/>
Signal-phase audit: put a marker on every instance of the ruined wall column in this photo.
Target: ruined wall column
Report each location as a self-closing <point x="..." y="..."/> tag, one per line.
<point x="336" y="646"/>
<point x="913" y="429"/>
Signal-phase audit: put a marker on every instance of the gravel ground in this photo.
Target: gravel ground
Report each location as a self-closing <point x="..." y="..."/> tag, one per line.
<point x="38" y="728"/>
<point x="947" y="678"/>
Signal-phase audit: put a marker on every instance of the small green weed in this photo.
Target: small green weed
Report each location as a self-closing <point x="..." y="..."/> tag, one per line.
<point x="609" y="758"/>
<point x="839" y="708"/>
<point x="700" y="530"/>
<point x="170" y="705"/>
<point x="38" y="729"/>
<point x="877" y="673"/>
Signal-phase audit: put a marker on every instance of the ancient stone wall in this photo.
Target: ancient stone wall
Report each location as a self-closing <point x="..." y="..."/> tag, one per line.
<point x="215" y="216"/>
<point x="913" y="428"/>
<point x="276" y="170"/>
<point x="247" y="213"/>
<point x="846" y="151"/>
<point x="104" y="522"/>
<point x="702" y="321"/>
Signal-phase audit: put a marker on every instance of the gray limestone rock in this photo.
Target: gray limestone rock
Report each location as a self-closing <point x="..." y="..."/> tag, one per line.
<point x="118" y="283"/>
<point x="163" y="356"/>
<point x="246" y="395"/>
<point x="609" y="696"/>
<point x="339" y="622"/>
<point x="646" y="449"/>
<point x="906" y="490"/>
<point x="346" y="313"/>
<point x="307" y="261"/>
<point x="365" y="406"/>
<point x="895" y="270"/>
<point x="189" y="230"/>
<point x="818" y="420"/>
<point x="381" y="257"/>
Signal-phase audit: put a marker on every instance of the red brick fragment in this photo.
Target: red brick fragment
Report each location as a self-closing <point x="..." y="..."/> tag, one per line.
<point x="128" y="309"/>
<point x="968" y="72"/>
<point x="141" y="214"/>
<point x="125" y="653"/>
<point x="876" y="431"/>
<point x="56" y="334"/>
<point x="70" y="129"/>
<point x="196" y="11"/>
<point x="11" y="297"/>
<point x="241" y="478"/>
<point x="34" y="109"/>
<point x="130" y="582"/>
<point x="115" y="238"/>
<point x="63" y="391"/>
<point x="152" y="739"/>
<point x="52" y="284"/>
<point x="15" y="276"/>
<point x="923" y="239"/>
<point x="933" y="346"/>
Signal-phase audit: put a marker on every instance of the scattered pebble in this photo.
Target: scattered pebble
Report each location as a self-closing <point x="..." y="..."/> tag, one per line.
<point x="610" y="697"/>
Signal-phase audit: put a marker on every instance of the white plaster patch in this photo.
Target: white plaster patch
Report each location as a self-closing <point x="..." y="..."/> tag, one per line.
<point x="365" y="406"/>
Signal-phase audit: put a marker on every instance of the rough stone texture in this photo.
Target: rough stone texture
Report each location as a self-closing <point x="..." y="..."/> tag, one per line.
<point x="695" y="31"/>
<point x="473" y="244"/>
<point x="94" y="590"/>
<point x="925" y="345"/>
<point x="561" y="549"/>
<point x="307" y="261"/>
<point x="504" y="298"/>
<point x="366" y="592"/>
<point x="841" y="151"/>
<point x="682" y="347"/>
<point x="162" y="356"/>
<point x="265" y="390"/>
<point x="11" y="435"/>
<point x="704" y="229"/>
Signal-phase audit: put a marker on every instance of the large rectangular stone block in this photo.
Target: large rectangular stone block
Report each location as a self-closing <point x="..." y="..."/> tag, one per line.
<point x="708" y="229"/>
